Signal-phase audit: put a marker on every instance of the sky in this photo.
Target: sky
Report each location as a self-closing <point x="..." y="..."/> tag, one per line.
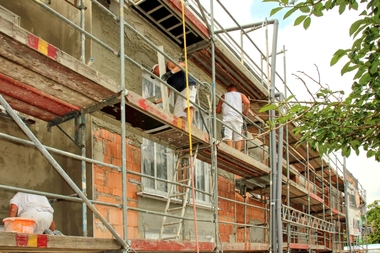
<point x="304" y="51"/>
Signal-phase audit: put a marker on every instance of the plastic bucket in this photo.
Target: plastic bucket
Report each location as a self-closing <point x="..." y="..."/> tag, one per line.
<point x="19" y="225"/>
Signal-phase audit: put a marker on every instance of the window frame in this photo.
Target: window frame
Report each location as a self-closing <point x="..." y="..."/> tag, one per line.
<point x="160" y="188"/>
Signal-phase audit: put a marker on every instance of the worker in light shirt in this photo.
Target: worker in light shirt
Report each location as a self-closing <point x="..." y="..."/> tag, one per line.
<point x="232" y="111"/>
<point x="34" y="207"/>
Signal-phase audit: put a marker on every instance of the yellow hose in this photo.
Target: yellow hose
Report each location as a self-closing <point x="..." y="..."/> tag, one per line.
<point x="189" y="126"/>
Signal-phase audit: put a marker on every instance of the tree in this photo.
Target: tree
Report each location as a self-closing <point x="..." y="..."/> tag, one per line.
<point x="329" y="123"/>
<point x="373" y="220"/>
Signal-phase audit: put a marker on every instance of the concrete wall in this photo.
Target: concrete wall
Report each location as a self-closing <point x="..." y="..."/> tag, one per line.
<point x="25" y="167"/>
<point x="46" y="25"/>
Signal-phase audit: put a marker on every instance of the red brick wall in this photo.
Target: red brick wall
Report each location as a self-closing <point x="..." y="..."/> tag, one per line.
<point x="108" y="188"/>
<point x="108" y="184"/>
<point x="228" y="210"/>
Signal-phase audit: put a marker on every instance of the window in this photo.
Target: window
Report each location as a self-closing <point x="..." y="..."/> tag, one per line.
<point x="201" y="169"/>
<point x="159" y="161"/>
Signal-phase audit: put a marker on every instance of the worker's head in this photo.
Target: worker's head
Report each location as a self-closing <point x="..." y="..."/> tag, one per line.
<point x="231" y="87"/>
<point x="155" y="70"/>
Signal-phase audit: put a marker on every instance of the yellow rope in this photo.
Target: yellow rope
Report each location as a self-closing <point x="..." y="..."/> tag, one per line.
<point x="187" y="77"/>
<point x="189" y="126"/>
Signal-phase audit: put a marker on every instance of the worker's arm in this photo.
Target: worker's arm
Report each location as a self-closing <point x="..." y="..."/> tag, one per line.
<point x="219" y="106"/>
<point x="13" y="210"/>
<point x="173" y="68"/>
<point x="246" y="104"/>
<point x="52" y="226"/>
<point x="158" y="101"/>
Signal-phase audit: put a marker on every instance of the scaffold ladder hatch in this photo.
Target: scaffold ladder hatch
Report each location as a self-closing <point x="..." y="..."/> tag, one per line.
<point x="182" y="174"/>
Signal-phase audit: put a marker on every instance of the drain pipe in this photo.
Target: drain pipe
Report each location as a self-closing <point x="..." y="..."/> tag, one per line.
<point x="272" y="137"/>
<point x="279" y="178"/>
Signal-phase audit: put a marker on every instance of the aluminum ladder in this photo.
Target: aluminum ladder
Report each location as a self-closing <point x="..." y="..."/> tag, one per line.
<point x="178" y="196"/>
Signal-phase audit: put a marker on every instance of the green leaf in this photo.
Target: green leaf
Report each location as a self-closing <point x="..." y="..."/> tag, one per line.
<point x="358" y="31"/>
<point x="305" y="9"/>
<point x="299" y="20"/>
<point x="359" y="73"/>
<point x="365" y="79"/>
<point x="370" y="131"/>
<point x="319" y="6"/>
<point x="268" y="107"/>
<point x="306" y="23"/>
<point x="328" y="4"/>
<point x="318" y="13"/>
<point x="290" y="12"/>
<point x="346" y="151"/>
<point x="355" y="143"/>
<point x="342" y="8"/>
<point x="374" y="67"/>
<point x="354" y="6"/>
<point x="338" y="54"/>
<point x="275" y="10"/>
<point x="289" y="98"/>
<point x="345" y="68"/>
<point x="355" y="26"/>
<point x="370" y="153"/>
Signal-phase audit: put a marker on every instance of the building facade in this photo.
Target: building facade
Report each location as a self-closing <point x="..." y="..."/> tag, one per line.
<point x="116" y="166"/>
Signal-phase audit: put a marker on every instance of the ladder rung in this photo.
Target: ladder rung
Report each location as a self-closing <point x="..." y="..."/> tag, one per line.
<point x="181" y="35"/>
<point x="174" y="209"/>
<point x="170" y="237"/>
<point x="184" y="155"/>
<point x="171" y="223"/>
<point x="153" y="10"/>
<point x="164" y="18"/>
<point x="183" y="168"/>
<point x="178" y="194"/>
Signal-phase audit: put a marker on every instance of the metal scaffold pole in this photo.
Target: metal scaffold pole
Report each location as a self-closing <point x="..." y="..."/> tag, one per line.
<point x="287" y="156"/>
<point x="83" y="124"/>
<point x="84" y="171"/>
<point x="347" y="204"/>
<point x="123" y="130"/>
<point x="214" y="165"/>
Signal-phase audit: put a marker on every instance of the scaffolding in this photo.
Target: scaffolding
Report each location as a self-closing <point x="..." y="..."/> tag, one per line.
<point x="281" y="197"/>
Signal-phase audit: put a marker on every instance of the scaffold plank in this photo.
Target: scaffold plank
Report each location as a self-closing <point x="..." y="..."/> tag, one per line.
<point x="170" y="246"/>
<point x="35" y="97"/>
<point x="45" y="243"/>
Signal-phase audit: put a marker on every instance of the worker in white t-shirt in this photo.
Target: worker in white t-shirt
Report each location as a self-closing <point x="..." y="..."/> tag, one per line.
<point x="34" y="207"/>
<point x="232" y="118"/>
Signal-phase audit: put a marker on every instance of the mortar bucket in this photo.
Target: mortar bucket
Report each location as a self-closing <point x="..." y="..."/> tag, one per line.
<point x="19" y="225"/>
